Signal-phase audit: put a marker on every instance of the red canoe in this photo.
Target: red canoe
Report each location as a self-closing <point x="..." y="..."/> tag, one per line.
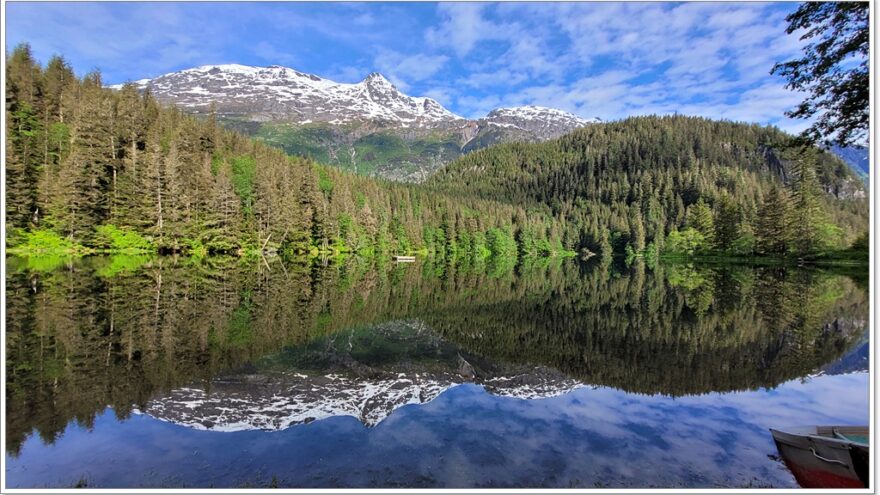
<point x="826" y="456"/>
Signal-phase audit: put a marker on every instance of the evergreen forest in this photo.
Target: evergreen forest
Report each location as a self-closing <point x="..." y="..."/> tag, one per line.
<point x="90" y="169"/>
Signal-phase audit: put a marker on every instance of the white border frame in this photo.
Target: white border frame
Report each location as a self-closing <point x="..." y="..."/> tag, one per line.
<point x="872" y="318"/>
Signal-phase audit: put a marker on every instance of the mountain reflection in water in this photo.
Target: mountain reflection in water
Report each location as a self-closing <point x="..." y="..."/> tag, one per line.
<point x="225" y="347"/>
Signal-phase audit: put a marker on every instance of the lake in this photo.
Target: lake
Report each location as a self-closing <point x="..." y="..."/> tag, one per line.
<point x="135" y="371"/>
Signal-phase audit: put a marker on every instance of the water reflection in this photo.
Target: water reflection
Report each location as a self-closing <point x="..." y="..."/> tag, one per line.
<point x="366" y="373"/>
<point x="223" y="346"/>
<point x="465" y="438"/>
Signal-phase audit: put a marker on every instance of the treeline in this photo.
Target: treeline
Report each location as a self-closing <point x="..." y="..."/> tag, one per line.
<point x="680" y="185"/>
<point x="89" y="168"/>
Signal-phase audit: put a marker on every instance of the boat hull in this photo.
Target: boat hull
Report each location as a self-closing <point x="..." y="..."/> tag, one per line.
<point x="819" y="462"/>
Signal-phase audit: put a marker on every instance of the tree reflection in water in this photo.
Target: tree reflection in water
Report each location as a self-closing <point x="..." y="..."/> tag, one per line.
<point x="85" y="334"/>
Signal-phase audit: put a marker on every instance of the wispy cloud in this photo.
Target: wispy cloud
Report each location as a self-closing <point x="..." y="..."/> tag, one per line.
<point x="621" y="59"/>
<point x="442" y="95"/>
<point x="463" y="26"/>
<point x="347" y="74"/>
<point x="272" y="55"/>
<point x="401" y="68"/>
<point x="605" y="59"/>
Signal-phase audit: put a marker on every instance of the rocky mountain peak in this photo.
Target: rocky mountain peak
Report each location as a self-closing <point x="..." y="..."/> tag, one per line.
<point x="278" y="93"/>
<point x="381" y="90"/>
<point x="377" y="79"/>
<point x="535" y="112"/>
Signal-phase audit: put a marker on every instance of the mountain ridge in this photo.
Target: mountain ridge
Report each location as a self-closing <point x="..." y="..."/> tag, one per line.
<point x="282" y="92"/>
<point x="284" y="100"/>
<point x="342" y="124"/>
<point x="374" y="86"/>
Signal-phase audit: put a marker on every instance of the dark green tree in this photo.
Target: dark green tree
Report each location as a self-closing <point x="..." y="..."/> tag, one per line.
<point x="838" y="89"/>
<point x="771" y="229"/>
<point x="82" y="157"/>
<point x="637" y="230"/>
<point x="728" y="218"/>
<point x="24" y="131"/>
<point x="700" y="218"/>
<point x="806" y="217"/>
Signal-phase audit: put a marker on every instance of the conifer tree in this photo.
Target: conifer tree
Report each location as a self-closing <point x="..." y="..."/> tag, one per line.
<point x="728" y="218"/>
<point x="806" y="216"/>
<point x="700" y="218"/>
<point x="772" y="227"/>
<point x="637" y="231"/>
<point x="24" y="136"/>
<point x="81" y="156"/>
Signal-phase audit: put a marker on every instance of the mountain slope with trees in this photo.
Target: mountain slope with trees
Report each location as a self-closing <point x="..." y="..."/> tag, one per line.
<point x="92" y="168"/>
<point x="681" y="183"/>
<point x="369" y="128"/>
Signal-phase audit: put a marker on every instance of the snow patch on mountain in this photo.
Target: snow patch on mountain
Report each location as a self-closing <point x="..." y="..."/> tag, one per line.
<point x="540" y="122"/>
<point x="534" y="112"/>
<point x="282" y="93"/>
<point x="340" y="115"/>
<point x="277" y="93"/>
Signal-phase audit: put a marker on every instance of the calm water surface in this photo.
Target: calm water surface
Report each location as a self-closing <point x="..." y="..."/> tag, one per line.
<point x="139" y="372"/>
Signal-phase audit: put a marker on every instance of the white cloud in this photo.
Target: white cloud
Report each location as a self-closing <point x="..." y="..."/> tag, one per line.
<point x="708" y="59"/>
<point x="610" y="60"/>
<point x="416" y="67"/>
<point x="102" y="36"/>
<point x="273" y="55"/>
<point x="462" y="29"/>
<point x="499" y="77"/>
<point x="736" y="17"/>
<point x="531" y="54"/>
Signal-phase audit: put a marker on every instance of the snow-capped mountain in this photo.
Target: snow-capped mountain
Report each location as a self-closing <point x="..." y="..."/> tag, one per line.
<point x="540" y="121"/>
<point x="281" y="93"/>
<point x="370" y="127"/>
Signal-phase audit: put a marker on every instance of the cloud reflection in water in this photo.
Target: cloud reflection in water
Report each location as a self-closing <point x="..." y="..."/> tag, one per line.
<point x="467" y="437"/>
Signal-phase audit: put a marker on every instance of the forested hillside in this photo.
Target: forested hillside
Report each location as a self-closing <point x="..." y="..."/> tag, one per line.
<point x="92" y="168"/>
<point x="681" y="183"/>
<point x="89" y="168"/>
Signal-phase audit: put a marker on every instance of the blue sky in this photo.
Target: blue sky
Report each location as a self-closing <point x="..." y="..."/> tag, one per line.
<point x="607" y="60"/>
